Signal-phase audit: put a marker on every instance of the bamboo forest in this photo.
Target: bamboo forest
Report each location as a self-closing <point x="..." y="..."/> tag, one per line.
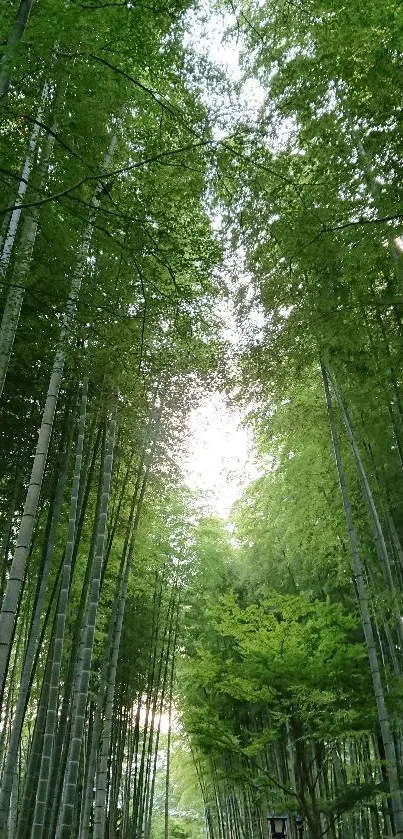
<point x="201" y="434"/>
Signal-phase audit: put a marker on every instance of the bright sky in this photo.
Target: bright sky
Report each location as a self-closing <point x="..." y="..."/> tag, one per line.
<point x="220" y="454"/>
<point x="220" y="459"/>
<point x="207" y="35"/>
<point x="206" y="28"/>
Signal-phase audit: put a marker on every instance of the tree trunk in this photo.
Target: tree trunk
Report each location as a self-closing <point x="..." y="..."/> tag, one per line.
<point x="8" y="60"/>
<point x="23" y="184"/>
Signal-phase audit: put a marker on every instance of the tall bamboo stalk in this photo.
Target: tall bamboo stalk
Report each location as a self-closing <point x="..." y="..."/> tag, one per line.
<point x="34" y="635"/>
<point x="18" y="566"/>
<point x="64" y="826"/>
<point x="11" y="234"/>
<point x="14" y="38"/>
<point x="384" y="722"/>
<point x="51" y="713"/>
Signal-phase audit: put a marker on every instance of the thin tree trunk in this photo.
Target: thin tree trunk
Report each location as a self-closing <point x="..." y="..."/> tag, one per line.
<point x="31" y="777"/>
<point x="8" y="528"/>
<point x="380" y="539"/>
<point x="171" y="636"/>
<point x="12" y="819"/>
<point x="15" y="297"/>
<point x="73" y="761"/>
<point x="113" y="639"/>
<point x="71" y="681"/>
<point x="101" y="788"/>
<point x="136" y="826"/>
<point x="8" y="60"/>
<point x="99" y="707"/>
<point x="169" y="737"/>
<point x="51" y="714"/>
<point x="23" y="184"/>
<point x="387" y="737"/>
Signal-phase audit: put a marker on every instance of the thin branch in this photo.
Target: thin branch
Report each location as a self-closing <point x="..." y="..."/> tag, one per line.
<point x="363" y="221"/>
<point x="160" y="100"/>
<point x="57" y="137"/>
<point x="98" y="177"/>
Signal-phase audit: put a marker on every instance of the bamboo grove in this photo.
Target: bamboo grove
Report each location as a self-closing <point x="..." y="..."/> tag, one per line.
<point x="277" y="641"/>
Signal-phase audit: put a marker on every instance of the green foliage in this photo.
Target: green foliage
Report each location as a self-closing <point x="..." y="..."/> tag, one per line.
<point x="258" y="621"/>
